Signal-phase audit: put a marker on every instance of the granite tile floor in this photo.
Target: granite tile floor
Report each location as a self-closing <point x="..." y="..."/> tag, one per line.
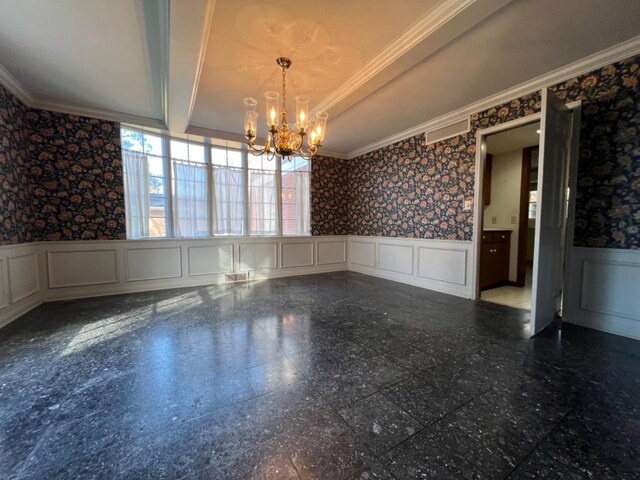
<point x="332" y="376"/>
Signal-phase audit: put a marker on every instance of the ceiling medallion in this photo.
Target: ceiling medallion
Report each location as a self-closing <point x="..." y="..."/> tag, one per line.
<point x="284" y="139"/>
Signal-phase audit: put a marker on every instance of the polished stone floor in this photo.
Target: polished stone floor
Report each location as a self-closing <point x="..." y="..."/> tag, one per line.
<point x="332" y="376"/>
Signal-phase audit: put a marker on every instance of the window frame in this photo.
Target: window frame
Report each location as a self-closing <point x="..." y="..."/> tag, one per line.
<point x="166" y="139"/>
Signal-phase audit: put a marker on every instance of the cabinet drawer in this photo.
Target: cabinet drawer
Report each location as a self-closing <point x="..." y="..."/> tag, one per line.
<point x="496" y="237"/>
<point x="501" y="236"/>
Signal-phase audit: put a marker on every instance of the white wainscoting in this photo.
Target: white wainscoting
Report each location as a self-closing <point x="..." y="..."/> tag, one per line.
<point x="603" y="290"/>
<point x="296" y="254"/>
<point x="258" y="256"/>
<point x="23" y="275"/>
<point x="33" y="273"/>
<point x="210" y="259"/>
<point x="90" y="267"/>
<point x="20" y="280"/>
<point x="153" y="263"/>
<point x="362" y="253"/>
<point x="330" y="252"/>
<point x="440" y="265"/>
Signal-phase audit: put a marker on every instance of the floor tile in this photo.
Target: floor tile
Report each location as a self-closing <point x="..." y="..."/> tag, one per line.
<point x="380" y="423"/>
<point x="336" y="375"/>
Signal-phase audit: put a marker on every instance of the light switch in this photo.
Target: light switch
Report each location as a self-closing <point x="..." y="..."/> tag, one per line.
<point x="513" y="220"/>
<point x="494" y="220"/>
<point x="467" y="204"/>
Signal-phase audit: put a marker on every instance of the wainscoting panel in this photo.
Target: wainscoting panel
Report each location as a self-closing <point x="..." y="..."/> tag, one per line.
<point x="85" y="267"/>
<point x="209" y="259"/>
<point x="602" y="290"/>
<point x="23" y="275"/>
<point x="4" y="284"/>
<point x="256" y="256"/>
<point x="611" y="288"/>
<point x="152" y="263"/>
<point x="443" y="264"/>
<point x="362" y="253"/>
<point x="440" y="265"/>
<point x="395" y="258"/>
<point x="296" y="254"/>
<point x="331" y="252"/>
<point x="20" y="282"/>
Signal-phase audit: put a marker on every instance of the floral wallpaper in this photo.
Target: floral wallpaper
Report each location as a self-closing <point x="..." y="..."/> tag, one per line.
<point x="329" y="196"/>
<point x="409" y="189"/>
<point x="76" y="167"/>
<point x="414" y="190"/>
<point x="608" y="195"/>
<point x="16" y="225"/>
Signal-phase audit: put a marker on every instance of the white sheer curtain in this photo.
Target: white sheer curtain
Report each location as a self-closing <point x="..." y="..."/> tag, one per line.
<point x="228" y="204"/>
<point x="136" y="189"/>
<point x="190" y="200"/>
<point x="303" y="197"/>
<point x="262" y="203"/>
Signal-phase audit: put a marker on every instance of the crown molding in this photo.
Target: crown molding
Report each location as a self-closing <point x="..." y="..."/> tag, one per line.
<point x="428" y="24"/>
<point x="14" y="86"/>
<point x="330" y="153"/>
<point x="92" y="112"/>
<point x="605" y="57"/>
<point x="22" y="94"/>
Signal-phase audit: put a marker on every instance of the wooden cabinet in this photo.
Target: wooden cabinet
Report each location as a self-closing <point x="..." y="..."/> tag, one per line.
<point x="495" y="249"/>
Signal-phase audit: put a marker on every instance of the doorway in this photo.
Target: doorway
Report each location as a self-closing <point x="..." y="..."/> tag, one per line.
<point x="557" y="163"/>
<point x="508" y="216"/>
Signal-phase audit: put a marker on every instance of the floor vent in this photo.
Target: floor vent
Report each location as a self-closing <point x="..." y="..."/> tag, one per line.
<point x="237" y="277"/>
<point x="455" y="129"/>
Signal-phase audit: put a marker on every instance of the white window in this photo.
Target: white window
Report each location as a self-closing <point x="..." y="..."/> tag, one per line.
<point x="296" y="196"/>
<point x="263" y="214"/>
<point x="145" y="183"/>
<point x="190" y="190"/>
<point x="180" y="188"/>
<point x="229" y="192"/>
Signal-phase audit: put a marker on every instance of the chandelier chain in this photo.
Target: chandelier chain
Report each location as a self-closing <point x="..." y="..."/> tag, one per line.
<point x="284" y="98"/>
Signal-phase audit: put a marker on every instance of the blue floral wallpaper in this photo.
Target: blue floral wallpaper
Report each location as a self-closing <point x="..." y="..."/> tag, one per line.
<point x="608" y="196"/>
<point x="329" y="196"/>
<point x="414" y="190"/>
<point x="411" y="190"/>
<point x="16" y="218"/>
<point x="76" y="167"/>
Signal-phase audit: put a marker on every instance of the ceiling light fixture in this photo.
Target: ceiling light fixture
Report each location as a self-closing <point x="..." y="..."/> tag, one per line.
<point x="284" y="139"/>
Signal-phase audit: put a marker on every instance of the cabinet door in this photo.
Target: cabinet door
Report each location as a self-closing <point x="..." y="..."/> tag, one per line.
<point x="501" y="256"/>
<point x="486" y="265"/>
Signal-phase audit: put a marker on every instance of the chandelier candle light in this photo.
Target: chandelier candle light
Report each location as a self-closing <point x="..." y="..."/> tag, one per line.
<point x="284" y="139"/>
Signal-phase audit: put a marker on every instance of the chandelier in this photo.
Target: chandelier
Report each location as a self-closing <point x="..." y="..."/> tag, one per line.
<point x="284" y="139"/>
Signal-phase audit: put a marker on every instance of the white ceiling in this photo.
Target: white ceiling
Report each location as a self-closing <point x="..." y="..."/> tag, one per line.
<point x="379" y="67"/>
<point x="514" y="139"/>
<point x="90" y="53"/>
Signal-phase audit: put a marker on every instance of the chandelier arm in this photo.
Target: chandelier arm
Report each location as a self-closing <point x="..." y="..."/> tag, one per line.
<point x="283" y="141"/>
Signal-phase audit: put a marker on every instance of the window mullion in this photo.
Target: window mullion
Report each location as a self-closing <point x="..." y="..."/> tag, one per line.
<point x="247" y="211"/>
<point x="278" y="195"/>
<point x="168" y="190"/>
<point x="212" y="198"/>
